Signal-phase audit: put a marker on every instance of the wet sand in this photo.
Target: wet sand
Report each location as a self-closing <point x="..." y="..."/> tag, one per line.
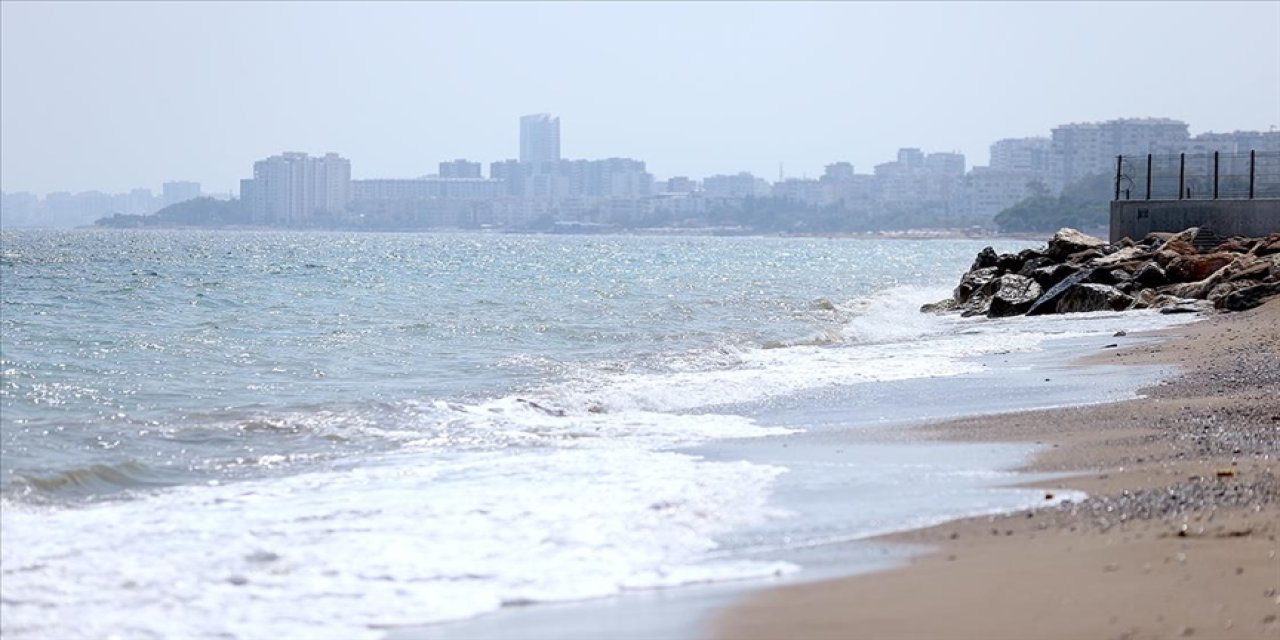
<point x="1177" y="539"/>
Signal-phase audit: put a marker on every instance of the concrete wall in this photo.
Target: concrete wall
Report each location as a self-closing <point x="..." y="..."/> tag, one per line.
<point x="1252" y="218"/>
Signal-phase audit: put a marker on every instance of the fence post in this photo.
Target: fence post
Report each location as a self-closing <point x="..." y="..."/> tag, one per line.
<point x="1119" y="161"/>
<point x="1252" y="163"/>
<point x="1148" y="176"/>
<point x="1182" y="173"/>
<point x="1215" y="175"/>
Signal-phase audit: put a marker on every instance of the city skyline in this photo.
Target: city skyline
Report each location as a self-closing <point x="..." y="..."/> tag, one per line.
<point x="997" y="153"/>
<point x="140" y="98"/>
<point x="294" y="189"/>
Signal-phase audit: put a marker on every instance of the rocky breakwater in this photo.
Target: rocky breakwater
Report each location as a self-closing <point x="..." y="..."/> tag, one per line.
<point x="1076" y="272"/>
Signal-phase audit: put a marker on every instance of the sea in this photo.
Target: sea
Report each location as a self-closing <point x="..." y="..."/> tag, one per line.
<point x="251" y="434"/>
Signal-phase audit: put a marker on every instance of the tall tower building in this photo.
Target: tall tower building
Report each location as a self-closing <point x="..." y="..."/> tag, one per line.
<point x="295" y="189"/>
<point x="539" y="140"/>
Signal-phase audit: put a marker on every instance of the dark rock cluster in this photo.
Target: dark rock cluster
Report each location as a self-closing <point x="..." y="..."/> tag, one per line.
<point x="1076" y="272"/>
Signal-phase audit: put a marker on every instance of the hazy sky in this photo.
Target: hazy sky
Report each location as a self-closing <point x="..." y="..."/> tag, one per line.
<point x="111" y="96"/>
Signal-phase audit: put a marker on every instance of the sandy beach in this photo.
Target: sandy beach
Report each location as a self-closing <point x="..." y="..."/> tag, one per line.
<point x="1177" y="539"/>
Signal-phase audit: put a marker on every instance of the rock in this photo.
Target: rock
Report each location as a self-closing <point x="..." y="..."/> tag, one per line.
<point x="1013" y="263"/>
<point x="1048" y="277"/>
<point x="1085" y="256"/>
<point x="1201" y="288"/>
<point x="1186" y="306"/>
<point x="1144" y="298"/>
<point x="1048" y="303"/>
<point x="1078" y="273"/>
<point x="1123" y="255"/>
<point x="941" y="306"/>
<point x="1151" y="275"/>
<point x="1250" y="297"/>
<point x="1163" y="300"/>
<point x="1008" y="263"/>
<point x="1186" y="290"/>
<point x="1236" y="244"/>
<point x="1257" y="271"/>
<point x="1179" y="247"/>
<point x="1197" y="267"/>
<point x="1223" y="289"/>
<point x="1035" y="263"/>
<point x="986" y="258"/>
<point x="1267" y="246"/>
<point x="1109" y="276"/>
<point x="1085" y="297"/>
<point x="1068" y="241"/>
<point x="1014" y="296"/>
<point x="1155" y="239"/>
<point x="973" y="282"/>
<point x="1187" y="235"/>
<point x="1163" y="258"/>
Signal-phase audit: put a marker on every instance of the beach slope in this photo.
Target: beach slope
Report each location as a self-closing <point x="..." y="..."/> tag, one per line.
<point x="1177" y="539"/>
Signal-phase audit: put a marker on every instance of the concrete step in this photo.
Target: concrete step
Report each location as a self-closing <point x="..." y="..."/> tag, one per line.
<point x="1206" y="239"/>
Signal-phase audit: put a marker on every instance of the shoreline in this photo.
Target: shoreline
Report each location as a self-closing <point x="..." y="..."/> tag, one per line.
<point x="1178" y="537"/>
<point x="884" y="422"/>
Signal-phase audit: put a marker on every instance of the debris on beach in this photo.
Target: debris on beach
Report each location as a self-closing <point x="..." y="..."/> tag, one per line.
<point x="1076" y="272"/>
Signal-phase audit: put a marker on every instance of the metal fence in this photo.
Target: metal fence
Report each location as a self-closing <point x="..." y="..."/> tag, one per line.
<point x="1215" y="175"/>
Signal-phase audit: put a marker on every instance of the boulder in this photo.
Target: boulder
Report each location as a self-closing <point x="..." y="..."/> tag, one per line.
<point x="1085" y="297"/>
<point x="1186" y="306"/>
<point x="1178" y="246"/>
<point x="1048" y="303"/>
<point x="1223" y="289"/>
<point x="1035" y="263"/>
<point x="1144" y="298"/>
<point x="1163" y="258"/>
<point x="1049" y="276"/>
<point x="1014" y="296"/>
<point x="1187" y="235"/>
<point x="1068" y="241"/>
<point x="1086" y="256"/>
<point x="941" y="306"/>
<point x="1109" y="276"/>
<point x="1267" y="246"/>
<point x="1256" y="271"/>
<point x="1236" y="244"/>
<point x="1155" y="239"/>
<point x="1124" y="255"/>
<point x="985" y="258"/>
<point x="1163" y="300"/>
<point x="973" y="282"/>
<point x="1014" y="262"/>
<point x="1249" y="297"/>
<point x="1198" y="267"/>
<point x="1151" y="275"/>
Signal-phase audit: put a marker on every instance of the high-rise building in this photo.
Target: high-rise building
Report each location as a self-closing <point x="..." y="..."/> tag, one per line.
<point x="1089" y="148"/>
<point x="512" y="173"/>
<point x="681" y="184"/>
<point x="1021" y="154"/>
<point x="838" y="172"/>
<point x="178" y="191"/>
<point x="295" y="189"/>
<point x="460" y="169"/>
<point x="540" y="141"/>
<point x="741" y="185"/>
<point x="910" y="157"/>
